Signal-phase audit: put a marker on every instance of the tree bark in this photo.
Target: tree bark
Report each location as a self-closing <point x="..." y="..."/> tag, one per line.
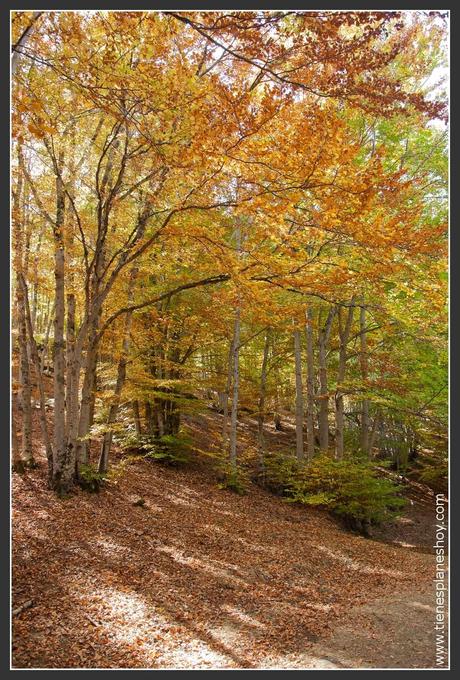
<point x="323" y="339"/>
<point x="298" y="396"/>
<point x="373" y="433"/>
<point x="236" y="377"/>
<point x="364" y="375"/>
<point x="24" y="400"/>
<point x="63" y="465"/>
<point x="344" y="334"/>
<point x="236" y="371"/>
<point x="310" y="386"/>
<point x="18" y="463"/>
<point x="262" y="395"/>
<point x="226" y="395"/>
<point x="71" y="374"/>
<point x="121" y="377"/>
<point x="41" y="390"/>
<point x="137" y="418"/>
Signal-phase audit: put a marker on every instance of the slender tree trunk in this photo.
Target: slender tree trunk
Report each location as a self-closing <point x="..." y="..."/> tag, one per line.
<point x="262" y="395"/>
<point x="70" y="354"/>
<point x="344" y="334"/>
<point x="63" y="468"/>
<point x="226" y="395"/>
<point x="35" y="287"/>
<point x="121" y="377"/>
<point x="24" y="401"/>
<point x="46" y="341"/>
<point x="310" y="386"/>
<point x="277" y="415"/>
<point x="298" y="396"/>
<point x="84" y="423"/>
<point x="373" y="433"/>
<point x="323" y="388"/>
<point x="42" y="398"/>
<point x="236" y="378"/>
<point x="150" y="420"/>
<point x="236" y="368"/>
<point x="71" y="299"/>
<point x="17" y="462"/>
<point x="364" y="376"/>
<point x="137" y="418"/>
<point x="159" y="402"/>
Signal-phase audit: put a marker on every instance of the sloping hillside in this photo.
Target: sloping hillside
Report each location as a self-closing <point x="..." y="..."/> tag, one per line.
<point x="202" y="578"/>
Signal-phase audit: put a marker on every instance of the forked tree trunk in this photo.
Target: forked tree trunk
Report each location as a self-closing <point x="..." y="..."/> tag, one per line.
<point x="310" y="386"/>
<point x="298" y="396"/>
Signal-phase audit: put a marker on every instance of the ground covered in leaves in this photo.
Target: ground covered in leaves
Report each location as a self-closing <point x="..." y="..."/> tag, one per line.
<point x="200" y="577"/>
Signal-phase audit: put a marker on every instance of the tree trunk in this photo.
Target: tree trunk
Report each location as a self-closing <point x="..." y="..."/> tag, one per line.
<point x="364" y="376"/>
<point x="71" y="301"/>
<point x="18" y="463"/>
<point x="373" y="433"/>
<point x="151" y="424"/>
<point x="84" y="423"/>
<point x="277" y="415"/>
<point x="344" y="334"/>
<point x="36" y="361"/>
<point x="310" y="386"/>
<point x="236" y="367"/>
<point x="323" y="389"/>
<point x="46" y="342"/>
<point x="24" y="401"/>
<point x="121" y="377"/>
<point x="63" y="467"/>
<point x="226" y="396"/>
<point x="236" y="377"/>
<point x="35" y="287"/>
<point x="298" y="396"/>
<point x="137" y="418"/>
<point x="262" y="395"/>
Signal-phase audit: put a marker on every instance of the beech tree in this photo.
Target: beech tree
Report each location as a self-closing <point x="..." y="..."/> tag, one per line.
<point x="185" y="185"/>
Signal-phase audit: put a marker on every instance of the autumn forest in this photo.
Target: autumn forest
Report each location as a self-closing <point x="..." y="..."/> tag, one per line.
<point x="229" y="337"/>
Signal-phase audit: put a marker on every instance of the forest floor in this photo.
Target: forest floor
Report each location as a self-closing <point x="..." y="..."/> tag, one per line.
<point x="200" y="577"/>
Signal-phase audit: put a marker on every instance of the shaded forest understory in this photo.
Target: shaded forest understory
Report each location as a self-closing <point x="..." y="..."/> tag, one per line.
<point x="248" y="582"/>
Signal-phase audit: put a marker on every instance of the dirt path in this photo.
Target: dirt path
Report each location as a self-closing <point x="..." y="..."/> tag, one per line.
<point x="390" y="632"/>
<point x="203" y="578"/>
